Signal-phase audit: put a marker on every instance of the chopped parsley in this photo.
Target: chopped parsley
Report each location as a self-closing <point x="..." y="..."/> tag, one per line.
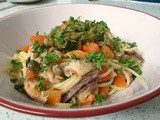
<point x="62" y="79"/>
<point x="131" y="63"/>
<point x="48" y="87"/>
<point x="73" y="57"/>
<point x="67" y="62"/>
<point x="138" y="69"/>
<point x="41" y="59"/>
<point x="96" y="57"/>
<point x="59" y="38"/>
<point x="40" y="78"/>
<point x="18" y="51"/>
<point x="16" y="65"/>
<point x="39" y="86"/>
<point x="104" y="42"/>
<point x="72" y="102"/>
<point x="37" y="33"/>
<point x="45" y="95"/>
<point x="117" y="44"/>
<point x="134" y="44"/>
<point x="19" y="85"/>
<point x="99" y="98"/>
<point x="128" y="62"/>
<point x="13" y="80"/>
<point x="38" y="48"/>
<point x="71" y="18"/>
<point x="50" y="58"/>
<point x="43" y="68"/>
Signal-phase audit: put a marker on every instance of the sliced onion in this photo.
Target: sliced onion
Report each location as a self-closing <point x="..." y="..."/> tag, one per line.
<point x="127" y="77"/>
<point x="111" y="92"/>
<point x="67" y="84"/>
<point x="106" y="83"/>
<point x="135" y="49"/>
<point x="143" y="82"/>
<point x="113" y="74"/>
<point x="106" y="73"/>
<point x="114" y="65"/>
<point x="117" y="88"/>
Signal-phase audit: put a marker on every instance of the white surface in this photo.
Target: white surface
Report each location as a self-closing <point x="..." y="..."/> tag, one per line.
<point x="152" y="115"/>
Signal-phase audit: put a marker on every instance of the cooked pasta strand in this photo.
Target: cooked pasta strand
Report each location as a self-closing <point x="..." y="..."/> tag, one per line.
<point x="141" y="79"/>
<point x="127" y="77"/>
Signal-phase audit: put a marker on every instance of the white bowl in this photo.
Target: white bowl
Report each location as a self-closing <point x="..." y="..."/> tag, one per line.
<point x="130" y="25"/>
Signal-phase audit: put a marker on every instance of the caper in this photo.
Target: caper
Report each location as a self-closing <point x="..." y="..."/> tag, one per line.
<point x="13" y="80"/>
<point x="33" y="65"/>
<point x="118" y="55"/>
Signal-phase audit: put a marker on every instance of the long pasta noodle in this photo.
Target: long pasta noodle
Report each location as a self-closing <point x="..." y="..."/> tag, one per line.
<point x="127" y="77"/>
<point x="141" y="79"/>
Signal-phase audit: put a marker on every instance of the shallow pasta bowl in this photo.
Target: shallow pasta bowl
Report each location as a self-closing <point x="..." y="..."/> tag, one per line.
<point x="129" y="25"/>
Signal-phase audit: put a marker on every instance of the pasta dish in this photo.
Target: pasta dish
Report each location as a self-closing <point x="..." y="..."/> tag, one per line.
<point x="78" y="63"/>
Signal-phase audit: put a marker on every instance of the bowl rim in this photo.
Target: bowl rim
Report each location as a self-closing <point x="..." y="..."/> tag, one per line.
<point x="62" y="113"/>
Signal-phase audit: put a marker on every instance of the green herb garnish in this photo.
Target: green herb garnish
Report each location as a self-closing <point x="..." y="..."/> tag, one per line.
<point x="62" y="79"/>
<point x="67" y="62"/>
<point x="37" y="33"/>
<point x="96" y="57"/>
<point x="59" y="38"/>
<point x="16" y="65"/>
<point x="18" y="51"/>
<point x="72" y="102"/>
<point x="38" y="48"/>
<point x="19" y="85"/>
<point x="116" y="46"/>
<point x="129" y="62"/>
<point x="138" y="70"/>
<point x="99" y="98"/>
<point x="43" y="68"/>
<point x="39" y="86"/>
<point x="104" y="42"/>
<point x="50" y="58"/>
<point x="134" y="44"/>
<point x="40" y="78"/>
<point x="73" y="57"/>
<point x="13" y="80"/>
<point x="48" y="87"/>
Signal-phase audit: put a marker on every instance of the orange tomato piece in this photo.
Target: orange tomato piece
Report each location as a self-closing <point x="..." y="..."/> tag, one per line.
<point x="108" y="77"/>
<point x="119" y="81"/>
<point x="39" y="38"/>
<point x="25" y="48"/>
<point x="91" y="47"/>
<point x="89" y="100"/>
<point x="107" y="52"/>
<point x="103" y="90"/>
<point x="29" y="74"/>
<point x="54" y="96"/>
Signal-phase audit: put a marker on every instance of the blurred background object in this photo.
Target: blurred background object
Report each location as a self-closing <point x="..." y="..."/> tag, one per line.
<point x="2" y="0"/>
<point x="23" y="1"/>
<point x="157" y="1"/>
